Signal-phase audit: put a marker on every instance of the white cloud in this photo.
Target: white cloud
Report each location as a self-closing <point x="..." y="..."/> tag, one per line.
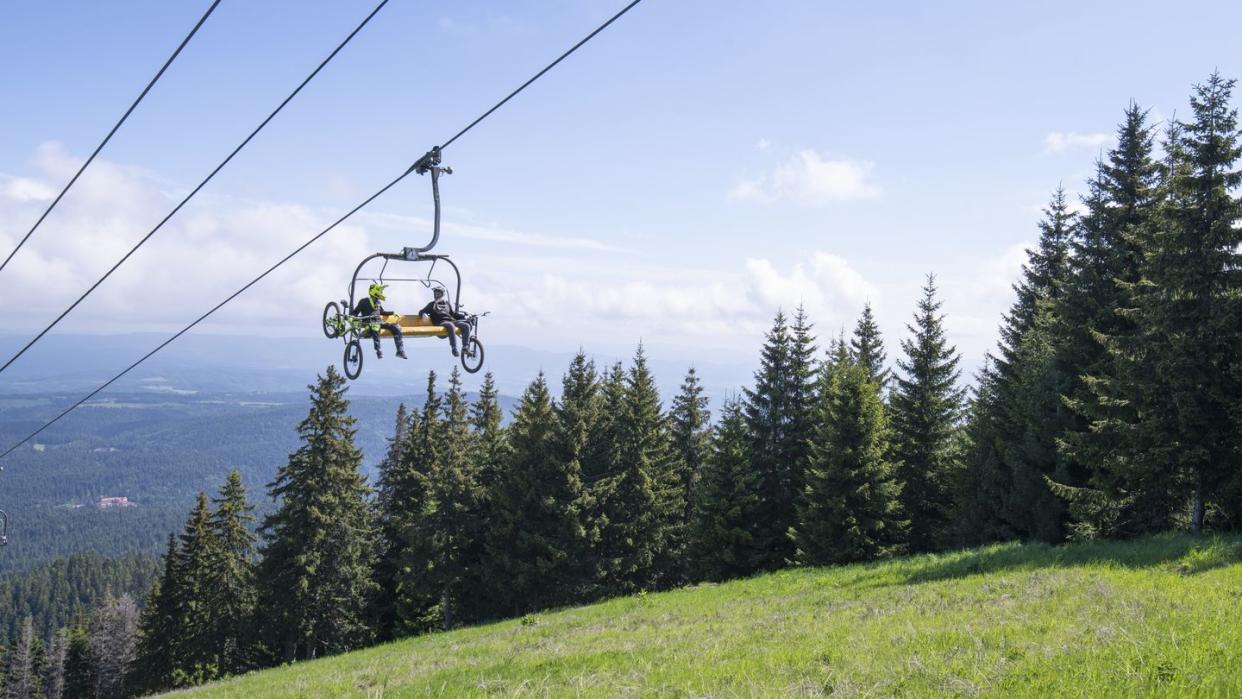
<point x="763" y="144"/>
<point x="23" y="190"/>
<point x="809" y="178"/>
<point x="1059" y="142"/>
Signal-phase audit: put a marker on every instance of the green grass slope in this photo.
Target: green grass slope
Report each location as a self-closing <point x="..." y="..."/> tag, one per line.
<point x="1153" y="617"/>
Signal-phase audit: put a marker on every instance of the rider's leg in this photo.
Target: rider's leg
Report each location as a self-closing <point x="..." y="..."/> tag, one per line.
<point x="396" y="338"/>
<point x="379" y="352"/>
<point x="452" y="335"/>
<point x="465" y="333"/>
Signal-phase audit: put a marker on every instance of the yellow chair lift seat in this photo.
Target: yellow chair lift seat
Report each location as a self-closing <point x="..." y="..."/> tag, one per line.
<point x="414" y="326"/>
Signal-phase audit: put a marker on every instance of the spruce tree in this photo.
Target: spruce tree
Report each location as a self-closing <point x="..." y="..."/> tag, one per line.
<point x="1185" y="438"/>
<point x="538" y="538"/>
<point x="726" y="504"/>
<point x="579" y="414"/>
<point x="160" y="629"/>
<point x="1017" y="414"/>
<point x="113" y="628"/>
<point x="850" y="508"/>
<point x="639" y="501"/>
<point x="867" y="349"/>
<point x="456" y="525"/>
<point x="231" y="593"/>
<point x="54" y="666"/>
<point x="21" y="680"/>
<point x="1095" y="312"/>
<point x="775" y="443"/>
<point x="926" y="409"/>
<point x="490" y="458"/>
<point x="600" y="463"/>
<point x="690" y="431"/>
<point x="79" y="668"/>
<point x="407" y="505"/>
<point x="316" y="583"/>
<point x="197" y="551"/>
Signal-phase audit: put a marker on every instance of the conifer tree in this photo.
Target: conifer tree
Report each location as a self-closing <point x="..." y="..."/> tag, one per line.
<point x="21" y="681"/>
<point x="407" y="505"/>
<point x="867" y="349"/>
<point x="850" y="509"/>
<point x="690" y="430"/>
<point x="639" y="501"/>
<point x="537" y="538"/>
<point x="579" y="414"/>
<point x="600" y="457"/>
<point x="160" y="629"/>
<point x="1094" y="312"/>
<point x="196" y="553"/>
<point x="1185" y="437"/>
<point x="600" y="462"/>
<point x="456" y="525"/>
<point x="1017" y="414"/>
<point x="113" y="627"/>
<point x="771" y="418"/>
<point x="316" y="573"/>
<point x="79" y="669"/>
<point x="726" y="504"/>
<point x="926" y="409"/>
<point x="486" y="421"/>
<point x="231" y="593"/>
<point x="490" y="458"/>
<point x="54" y="666"/>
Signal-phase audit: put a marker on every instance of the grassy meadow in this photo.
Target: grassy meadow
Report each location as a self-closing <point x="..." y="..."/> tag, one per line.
<point x="1154" y="617"/>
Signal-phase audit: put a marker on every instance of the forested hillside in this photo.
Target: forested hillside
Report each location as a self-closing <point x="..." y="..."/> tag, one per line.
<point x="156" y="449"/>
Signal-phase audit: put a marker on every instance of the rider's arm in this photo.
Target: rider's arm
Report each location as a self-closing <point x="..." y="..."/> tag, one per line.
<point x="426" y="309"/>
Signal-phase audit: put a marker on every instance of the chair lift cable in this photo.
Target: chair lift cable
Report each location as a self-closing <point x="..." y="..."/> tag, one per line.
<point x="196" y="190"/>
<point x="413" y="168"/>
<point x="107" y="138"/>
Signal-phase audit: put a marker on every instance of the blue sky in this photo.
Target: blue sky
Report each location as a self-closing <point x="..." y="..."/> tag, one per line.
<point x="700" y="162"/>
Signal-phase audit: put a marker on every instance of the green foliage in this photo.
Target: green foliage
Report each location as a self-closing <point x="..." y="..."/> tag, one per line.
<point x="867" y="349"/>
<point x="778" y="419"/>
<point x="638" y="502"/>
<point x="926" y="410"/>
<point x="690" y="431"/>
<point x="315" y="578"/>
<point x="850" y="509"/>
<point x="537" y="539"/>
<point x="726" y="503"/>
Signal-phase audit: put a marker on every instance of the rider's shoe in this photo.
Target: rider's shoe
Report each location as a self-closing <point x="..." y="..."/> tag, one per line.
<point x="401" y="353"/>
<point x="379" y="355"/>
<point x="455" y="352"/>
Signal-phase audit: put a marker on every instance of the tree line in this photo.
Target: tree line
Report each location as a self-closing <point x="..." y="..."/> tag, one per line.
<point x="1111" y="407"/>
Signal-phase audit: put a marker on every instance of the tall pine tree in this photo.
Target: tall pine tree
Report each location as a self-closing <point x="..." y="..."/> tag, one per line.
<point x="726" y="504"/>
<point x="926" y="409"/>
<point x="316" y="574"/>
<point x="867" y="349"/>
<point x="850" y="509"/>
<point x="538" y="538"/>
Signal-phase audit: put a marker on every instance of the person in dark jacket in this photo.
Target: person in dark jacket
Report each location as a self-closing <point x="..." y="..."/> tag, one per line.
<point x="440" y="311"/>
<point x="369" y="307"/>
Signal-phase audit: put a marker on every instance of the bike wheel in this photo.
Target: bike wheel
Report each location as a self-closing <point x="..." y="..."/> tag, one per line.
<point x="353" y="359"/>
<point x="331" y="326"/>
<point x="472" y="356"/>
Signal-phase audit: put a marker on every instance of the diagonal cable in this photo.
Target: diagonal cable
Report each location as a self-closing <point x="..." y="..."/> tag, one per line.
<point x="196" y="190"/>
<point x="107" y="138"/>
